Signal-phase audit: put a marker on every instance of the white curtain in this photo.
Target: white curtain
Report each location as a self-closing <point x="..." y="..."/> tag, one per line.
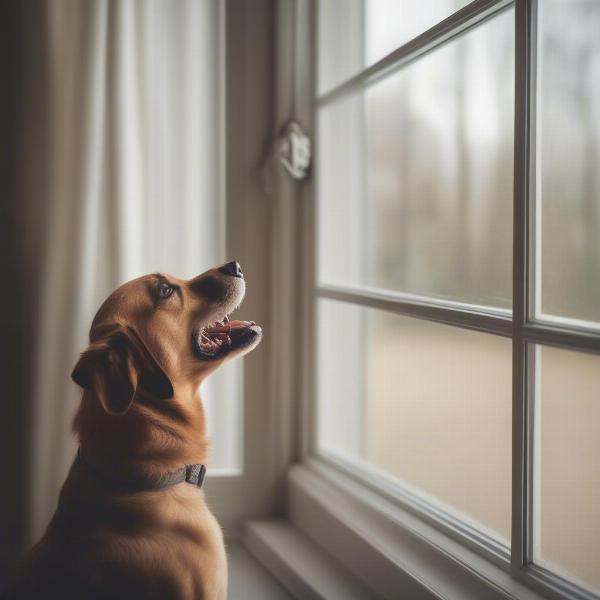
<point x="130" y="96"/>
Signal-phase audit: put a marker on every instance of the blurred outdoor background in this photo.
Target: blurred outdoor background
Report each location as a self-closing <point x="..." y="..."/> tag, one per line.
<point x="416" y="196"/>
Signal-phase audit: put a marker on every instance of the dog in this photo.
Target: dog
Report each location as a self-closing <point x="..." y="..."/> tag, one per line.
<point x="132" y="521"/>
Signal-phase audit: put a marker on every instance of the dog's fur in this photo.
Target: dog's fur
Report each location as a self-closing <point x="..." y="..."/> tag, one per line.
<point x="140" y="415"/>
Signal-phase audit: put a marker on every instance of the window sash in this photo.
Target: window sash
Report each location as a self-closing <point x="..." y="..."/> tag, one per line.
<point x="520" y="323"/>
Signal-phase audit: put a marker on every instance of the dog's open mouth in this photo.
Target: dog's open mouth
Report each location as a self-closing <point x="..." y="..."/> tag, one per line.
<point x="222" y="337"/>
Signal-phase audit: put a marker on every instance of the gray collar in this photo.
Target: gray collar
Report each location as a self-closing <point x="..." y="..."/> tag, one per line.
<point x="193" y="474"/>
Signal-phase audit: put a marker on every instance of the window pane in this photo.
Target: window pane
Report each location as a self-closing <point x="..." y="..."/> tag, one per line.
<point x="415" y="175"/>
<point x="427" y="404"/>
<point x="567" y="465"/>
<point x="354" y="34"/>
<point x="569" y="157"/>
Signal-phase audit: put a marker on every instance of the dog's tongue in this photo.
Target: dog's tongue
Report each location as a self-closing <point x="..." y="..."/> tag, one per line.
<point x="230" y="326"/>
<point x="239" y="324"/>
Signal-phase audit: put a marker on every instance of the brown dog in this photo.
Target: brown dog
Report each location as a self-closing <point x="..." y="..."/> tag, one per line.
<point x="127" y="524"/>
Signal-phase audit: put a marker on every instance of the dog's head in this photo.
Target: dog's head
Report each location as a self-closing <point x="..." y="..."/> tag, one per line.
<point x="158" y="333"/>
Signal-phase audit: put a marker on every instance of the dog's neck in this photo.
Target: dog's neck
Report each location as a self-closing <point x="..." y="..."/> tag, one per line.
<point x="153" y="436"/>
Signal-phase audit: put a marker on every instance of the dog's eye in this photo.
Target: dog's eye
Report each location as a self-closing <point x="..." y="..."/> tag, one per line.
<point x="165" y="290"/>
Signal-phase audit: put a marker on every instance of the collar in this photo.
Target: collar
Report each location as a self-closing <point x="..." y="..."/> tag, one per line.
<point x="193" y="474"/>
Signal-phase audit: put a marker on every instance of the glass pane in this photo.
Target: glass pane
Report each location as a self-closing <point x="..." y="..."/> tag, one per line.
<point x="426" y="404"/>
<point x="415" y="175"/>
<point x="569" y="158"/>
<point x="567" y="465"/>
<point x="354" y="34"/>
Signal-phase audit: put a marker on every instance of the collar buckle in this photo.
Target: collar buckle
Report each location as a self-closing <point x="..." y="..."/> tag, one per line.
<point x="194" y="474"/>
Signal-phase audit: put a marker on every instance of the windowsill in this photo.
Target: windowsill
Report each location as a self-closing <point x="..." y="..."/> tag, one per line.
<point x="303" y="568"/>
<point x="249" y="579"/>
<point x="391" y="551"/>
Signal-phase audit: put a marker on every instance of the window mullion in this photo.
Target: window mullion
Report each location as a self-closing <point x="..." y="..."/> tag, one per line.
<point x="562" y="337"/>
<point x="478" y="318"/>
<point x="524" y="197"/>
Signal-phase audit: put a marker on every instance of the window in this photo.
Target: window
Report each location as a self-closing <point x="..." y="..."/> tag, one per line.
<point x="455" y="299"/>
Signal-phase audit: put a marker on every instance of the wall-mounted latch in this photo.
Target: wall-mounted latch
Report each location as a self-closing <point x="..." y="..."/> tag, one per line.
<point x="295" y="151"/>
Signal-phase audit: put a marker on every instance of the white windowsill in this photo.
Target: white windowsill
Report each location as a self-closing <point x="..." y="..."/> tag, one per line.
<point x="392" y="552"/>
<point x="249" y="579"/>
<point x="304" y="568"/>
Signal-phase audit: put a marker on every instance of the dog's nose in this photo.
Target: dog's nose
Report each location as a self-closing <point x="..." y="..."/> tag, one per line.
<point x="232" y="268"/>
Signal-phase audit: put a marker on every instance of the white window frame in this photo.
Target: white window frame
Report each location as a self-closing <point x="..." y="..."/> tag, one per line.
<point x="378" y="518"/>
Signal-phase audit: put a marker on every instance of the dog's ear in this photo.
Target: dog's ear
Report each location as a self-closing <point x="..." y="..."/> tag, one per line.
<point x="115" y="365"/>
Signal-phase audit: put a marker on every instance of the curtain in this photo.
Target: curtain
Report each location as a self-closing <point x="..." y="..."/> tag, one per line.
<point x="117" y="173"/>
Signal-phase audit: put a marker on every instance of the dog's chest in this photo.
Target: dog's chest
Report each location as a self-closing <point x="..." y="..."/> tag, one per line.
<point x="185" y="550"/>
<point x="172" y="547"/>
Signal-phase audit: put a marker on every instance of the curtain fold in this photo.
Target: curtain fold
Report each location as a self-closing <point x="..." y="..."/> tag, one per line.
<point x="75" y="109"/>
